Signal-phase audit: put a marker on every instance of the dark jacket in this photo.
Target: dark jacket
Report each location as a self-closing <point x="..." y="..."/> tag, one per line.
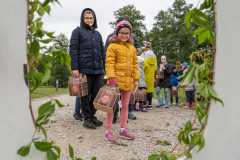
<point x="134" y="42"/>
<point x="166" y="82"/>
<point x="86" y="48"/>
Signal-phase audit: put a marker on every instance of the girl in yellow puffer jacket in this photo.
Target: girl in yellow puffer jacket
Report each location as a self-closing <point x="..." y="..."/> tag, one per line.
<point x="149" y="71"/>
<point x="122" y="69"/>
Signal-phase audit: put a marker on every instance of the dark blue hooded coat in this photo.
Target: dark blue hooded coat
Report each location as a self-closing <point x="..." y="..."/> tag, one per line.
<point x="86" y="48"/>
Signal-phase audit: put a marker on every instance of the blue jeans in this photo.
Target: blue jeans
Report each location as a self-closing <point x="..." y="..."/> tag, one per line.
<point x="77" y="105"/>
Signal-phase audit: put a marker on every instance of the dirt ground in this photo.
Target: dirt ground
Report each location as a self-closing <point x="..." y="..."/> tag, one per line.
<point x="150" y="127"/>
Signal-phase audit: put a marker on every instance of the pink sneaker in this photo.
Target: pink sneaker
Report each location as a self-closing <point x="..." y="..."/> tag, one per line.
<point x="126" y="134"/>
<point x="109" y="137"/>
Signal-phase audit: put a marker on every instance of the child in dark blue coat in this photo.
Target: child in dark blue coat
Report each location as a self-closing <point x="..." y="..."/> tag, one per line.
<point x="174" y="81"/>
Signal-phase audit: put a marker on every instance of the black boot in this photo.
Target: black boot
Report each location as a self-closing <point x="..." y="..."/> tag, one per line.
<point x="89" y="124"/>
<point x="96" y="121"/>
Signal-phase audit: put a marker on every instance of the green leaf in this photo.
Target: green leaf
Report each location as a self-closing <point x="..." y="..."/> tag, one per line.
<point x="47" y="109"/>
<point x="38" y="19"/>
<point x="168" y="156"/>
<point x="78" y="159"/>
<point x="94" y="158"/>
<point x="202" y="17"/>
<point x="58" y="150"/>
<point x="51" y="155"/>
<point x="164" y="157"/>
<point x="203" y="119"/>
<point x="42" y="121"/>
<point x="40" y="11"/>
<point x="188" y="18"/>
<point x="71" y="152"/>
<point x="200" y="30"/>
<point x="202" y="143"/>
<point x="49" y="58"/>
<point x="46" y="76"/>
<point x="196" y="74"/>
<point x="210" y="36"/>
<point x="189" y="155"/>
<point x="45" y="3"/>
<point x="43" y="146"/>
<point x="189" y="75"/>
<point x="24" y="150"/>
<point x="213" y="94"/>
<point x="47" y="9"/>
<point x="46" y="40"/>
<point x="43" y="131"/>
<point x="34" y="47"/>
<point x="38" y="33"/>
<point x="164" y="143"/>
<point x="202" y="37"/>
<point x="154" y="157"/>
<point x="59" y="103"/>
<point x="121" y="144"/>
<point x="50" y="34"/>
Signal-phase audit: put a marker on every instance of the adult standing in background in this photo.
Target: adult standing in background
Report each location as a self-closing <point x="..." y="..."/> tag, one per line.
<point x="88" y="58"/>
<point x="148" y="47"/>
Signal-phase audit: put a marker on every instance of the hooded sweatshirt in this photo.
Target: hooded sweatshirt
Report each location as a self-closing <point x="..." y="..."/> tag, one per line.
<point x="86" y="48"/>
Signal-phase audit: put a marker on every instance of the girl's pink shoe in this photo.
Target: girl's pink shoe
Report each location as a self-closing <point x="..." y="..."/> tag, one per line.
<point x="126" y="134"/>
<point x="109" y="137"/>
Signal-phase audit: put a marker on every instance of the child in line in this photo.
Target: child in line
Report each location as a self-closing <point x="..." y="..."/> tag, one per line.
<point x="121" y="69"/>
<point x="149" y="71"/>
<point x="77" y="115"/>
<point x="141" y="84"/>
<point x="190" y="92"/>
<point x="174" y="81"/>
<point x="164" y="83"/>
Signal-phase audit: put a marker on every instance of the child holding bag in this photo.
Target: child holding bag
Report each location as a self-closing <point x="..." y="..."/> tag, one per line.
<point x="121" y="69"/>
<point x="141" y="84"/>
<point x="164" y="83"/>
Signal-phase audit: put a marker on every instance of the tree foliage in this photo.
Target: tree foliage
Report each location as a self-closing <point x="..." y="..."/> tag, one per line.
<point x="60" y="72"/>
<point x="134" y="17"/>
<point x="170" y="36"/>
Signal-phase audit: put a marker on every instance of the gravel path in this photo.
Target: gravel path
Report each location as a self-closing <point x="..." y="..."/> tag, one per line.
<point x="157" y="124"/>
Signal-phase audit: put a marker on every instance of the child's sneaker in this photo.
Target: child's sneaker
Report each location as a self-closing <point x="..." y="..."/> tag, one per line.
<point x="149" y="107"/>
<point x="126" y="134"/>
<point x="109" y="137"/>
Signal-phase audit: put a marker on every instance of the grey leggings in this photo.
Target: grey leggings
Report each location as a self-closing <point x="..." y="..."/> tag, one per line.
<point x="166" y="90"/>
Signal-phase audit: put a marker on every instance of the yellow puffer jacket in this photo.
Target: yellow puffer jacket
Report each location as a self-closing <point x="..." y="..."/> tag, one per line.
<point x="122" y="64"/>
<point x="149" y="71"/>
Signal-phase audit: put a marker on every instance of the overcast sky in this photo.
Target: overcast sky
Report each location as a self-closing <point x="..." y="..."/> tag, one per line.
<point x="65" y="18"/>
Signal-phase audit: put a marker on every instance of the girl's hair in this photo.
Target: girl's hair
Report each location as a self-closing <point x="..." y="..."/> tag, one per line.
<point x="148" y="45"/>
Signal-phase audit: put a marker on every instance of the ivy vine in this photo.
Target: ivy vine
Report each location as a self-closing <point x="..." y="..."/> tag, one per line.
<point x="201" y="69"/>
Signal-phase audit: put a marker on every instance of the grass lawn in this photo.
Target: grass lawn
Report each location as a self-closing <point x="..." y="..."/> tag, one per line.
<point x="180" y="98"/>
<point x="44" y="91"/>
